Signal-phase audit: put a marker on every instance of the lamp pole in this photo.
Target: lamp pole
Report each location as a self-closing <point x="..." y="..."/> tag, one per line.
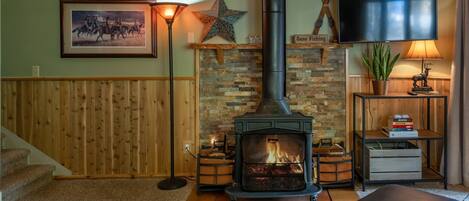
<point x="172" y="182"/>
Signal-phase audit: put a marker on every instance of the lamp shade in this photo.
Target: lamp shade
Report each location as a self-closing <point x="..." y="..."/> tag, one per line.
<point x="187" y="2"/>
<point x="423" y="50"/>
<point x="169" y="11"/>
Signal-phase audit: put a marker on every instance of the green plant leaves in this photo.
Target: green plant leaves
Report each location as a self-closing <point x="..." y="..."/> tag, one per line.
<point x="381" y="62"/>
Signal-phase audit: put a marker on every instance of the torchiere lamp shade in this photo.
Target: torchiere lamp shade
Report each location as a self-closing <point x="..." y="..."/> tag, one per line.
<point x="170" y="9"/>
<point x="423" y="50"/>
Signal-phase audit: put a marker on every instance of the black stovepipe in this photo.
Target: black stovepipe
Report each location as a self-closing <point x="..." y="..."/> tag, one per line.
<point x="172" y="182"/>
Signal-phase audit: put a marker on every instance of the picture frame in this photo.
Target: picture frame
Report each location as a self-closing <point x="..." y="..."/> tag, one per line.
<point x="108" y="29"/>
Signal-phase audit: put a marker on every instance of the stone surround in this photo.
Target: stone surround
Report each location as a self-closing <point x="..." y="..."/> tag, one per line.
<point x="234" y="88"/>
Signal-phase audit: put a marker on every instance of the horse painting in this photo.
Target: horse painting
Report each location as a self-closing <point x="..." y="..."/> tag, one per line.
<point x="108" y="28"/>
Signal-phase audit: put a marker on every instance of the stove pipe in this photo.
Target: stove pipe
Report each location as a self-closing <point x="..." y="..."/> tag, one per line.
<point x="274" y="64"/>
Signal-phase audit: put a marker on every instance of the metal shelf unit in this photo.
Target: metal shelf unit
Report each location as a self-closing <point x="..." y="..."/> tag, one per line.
<point x="361" y="136"/>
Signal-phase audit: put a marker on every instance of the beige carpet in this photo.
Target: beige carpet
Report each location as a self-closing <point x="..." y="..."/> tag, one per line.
<point x="108" y="190"/>
<point x="458" y="192"/>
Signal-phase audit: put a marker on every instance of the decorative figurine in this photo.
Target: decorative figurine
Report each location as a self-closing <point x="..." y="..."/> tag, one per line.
<point x="423" y="78"/>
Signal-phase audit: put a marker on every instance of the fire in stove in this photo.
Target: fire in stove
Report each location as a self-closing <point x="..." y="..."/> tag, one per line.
<point x="273" y="162"/>
<point x="278" y="157"/>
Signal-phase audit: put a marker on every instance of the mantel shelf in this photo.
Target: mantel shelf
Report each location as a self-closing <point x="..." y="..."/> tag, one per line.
<point x="259" y="46"/>
<point x="221" y="47"/>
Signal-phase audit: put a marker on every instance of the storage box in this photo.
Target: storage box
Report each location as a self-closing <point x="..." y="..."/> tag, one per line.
<point x="393" y="161"/>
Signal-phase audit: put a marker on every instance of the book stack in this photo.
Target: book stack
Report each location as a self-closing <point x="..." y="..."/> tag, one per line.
<point x="400" y="126"/>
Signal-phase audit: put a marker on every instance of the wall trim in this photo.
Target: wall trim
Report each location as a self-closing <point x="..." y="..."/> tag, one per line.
<point x="120" y="176"/>
<point x="91" y="78"/>
<point x="404" y="77"/>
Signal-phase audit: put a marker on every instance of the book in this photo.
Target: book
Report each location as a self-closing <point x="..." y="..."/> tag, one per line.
<point x="400" y="134"/>
<point x="402" y="119"/>
<point x="402" y="123"/>
<point x="396" y="128"/>
<point x="403" y="126"/>
<point x="401" y="129"/>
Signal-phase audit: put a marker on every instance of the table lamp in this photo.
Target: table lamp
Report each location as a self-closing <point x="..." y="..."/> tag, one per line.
<point x="423" y="51"/>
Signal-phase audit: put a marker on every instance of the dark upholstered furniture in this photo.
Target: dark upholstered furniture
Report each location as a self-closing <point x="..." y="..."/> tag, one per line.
<point x="402" y="193"/>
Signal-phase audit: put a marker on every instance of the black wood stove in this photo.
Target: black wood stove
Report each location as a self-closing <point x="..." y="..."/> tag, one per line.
<point x="273" y="145"/>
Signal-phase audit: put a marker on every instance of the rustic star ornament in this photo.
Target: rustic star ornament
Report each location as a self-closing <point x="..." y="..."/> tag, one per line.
<point x="218" y="21"/>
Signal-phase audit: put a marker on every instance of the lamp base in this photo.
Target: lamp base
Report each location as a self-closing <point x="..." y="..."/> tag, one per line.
<point x="422" y="89"/>
<point x="172" y="183"/>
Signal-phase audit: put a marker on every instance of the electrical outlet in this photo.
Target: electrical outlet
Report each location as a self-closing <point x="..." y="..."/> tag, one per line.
<point x="187" y="146"/>
<point x="36" y="70"/>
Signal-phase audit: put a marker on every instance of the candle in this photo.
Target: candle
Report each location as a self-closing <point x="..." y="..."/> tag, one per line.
<point x="213" y="143"/>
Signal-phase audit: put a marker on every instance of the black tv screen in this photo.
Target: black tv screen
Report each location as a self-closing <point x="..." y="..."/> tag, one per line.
<point x="387" y="20"/>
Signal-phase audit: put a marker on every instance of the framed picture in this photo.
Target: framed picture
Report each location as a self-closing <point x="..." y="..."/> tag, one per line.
<point x="107" y="28"/>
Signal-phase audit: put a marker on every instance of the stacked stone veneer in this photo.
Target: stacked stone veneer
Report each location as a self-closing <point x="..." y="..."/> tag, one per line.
<point x="234" y="88"/>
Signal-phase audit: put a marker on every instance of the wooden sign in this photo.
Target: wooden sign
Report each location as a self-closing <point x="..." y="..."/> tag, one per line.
<point x="310" y="38"/>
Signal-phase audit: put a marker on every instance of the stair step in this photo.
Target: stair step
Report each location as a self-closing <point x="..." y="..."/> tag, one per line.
<point x="13" y="160"/>
<point x="27" y="180"/>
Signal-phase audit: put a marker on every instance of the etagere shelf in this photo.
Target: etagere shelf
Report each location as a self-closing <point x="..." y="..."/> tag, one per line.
<point x="362" y="136"/>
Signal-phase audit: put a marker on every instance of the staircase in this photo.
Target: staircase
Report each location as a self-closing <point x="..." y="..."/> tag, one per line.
<point x="17" y="177"/>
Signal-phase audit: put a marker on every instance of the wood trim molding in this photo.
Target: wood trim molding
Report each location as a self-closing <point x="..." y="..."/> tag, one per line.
<point x="259" y="46"/>
<point x="403" y="77"/>
<point x="119" y="176"/>
<point x="90" y="78"/>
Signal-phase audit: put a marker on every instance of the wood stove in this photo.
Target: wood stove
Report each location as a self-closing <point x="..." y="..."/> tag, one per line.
<point x="273" y="145"/>
<point x="273" y="157"/>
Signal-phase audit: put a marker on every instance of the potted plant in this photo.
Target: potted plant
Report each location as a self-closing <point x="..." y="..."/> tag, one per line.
<point x="380" y="65"/>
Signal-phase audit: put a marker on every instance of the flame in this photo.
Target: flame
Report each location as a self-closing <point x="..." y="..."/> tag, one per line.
<point x="279" y="157"/>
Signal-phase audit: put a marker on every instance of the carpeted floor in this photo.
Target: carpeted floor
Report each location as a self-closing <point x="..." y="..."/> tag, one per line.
<point x="108" y="190"/>
<point x="459" y="192"/>
<point x="146" y="190"/>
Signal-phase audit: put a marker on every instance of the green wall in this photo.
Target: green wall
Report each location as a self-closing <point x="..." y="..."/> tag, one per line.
<point x="31" y="36"/>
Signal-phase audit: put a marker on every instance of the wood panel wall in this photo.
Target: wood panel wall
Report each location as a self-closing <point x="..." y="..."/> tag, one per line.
<point x="119" y="127"/>
<point x="103" y="127"/>
<point x="378" y="111"/>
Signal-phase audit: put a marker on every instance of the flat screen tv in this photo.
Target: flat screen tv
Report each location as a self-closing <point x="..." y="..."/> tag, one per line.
<point x="387" y="20"/>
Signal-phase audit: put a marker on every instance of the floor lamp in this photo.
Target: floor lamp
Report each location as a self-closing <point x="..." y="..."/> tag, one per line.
<point x="169" y="10"/>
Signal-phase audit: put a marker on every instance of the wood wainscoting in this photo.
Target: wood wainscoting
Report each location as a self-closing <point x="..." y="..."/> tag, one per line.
<point x="118" y="127"/>
<point x="103" y="127"/>
<point x="378" y="111"/>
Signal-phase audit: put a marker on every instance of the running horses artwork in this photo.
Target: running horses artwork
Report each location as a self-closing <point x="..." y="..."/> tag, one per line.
<point x="111" y="29"/>
<point x="108" y="28"/>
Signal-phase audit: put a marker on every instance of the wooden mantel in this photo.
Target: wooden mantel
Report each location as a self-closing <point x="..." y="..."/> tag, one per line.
<point x="221" y="47"/>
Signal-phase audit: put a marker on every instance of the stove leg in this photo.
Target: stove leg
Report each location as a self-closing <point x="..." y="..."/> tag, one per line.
<point x="232" y="198"/>
<point x="313" y="198"/>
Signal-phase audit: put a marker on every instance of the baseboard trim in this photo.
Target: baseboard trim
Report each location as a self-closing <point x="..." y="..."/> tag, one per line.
<point x="125" y="176"/>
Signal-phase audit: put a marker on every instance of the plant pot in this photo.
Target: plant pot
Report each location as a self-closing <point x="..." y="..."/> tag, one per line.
<point x="380" y="87"/>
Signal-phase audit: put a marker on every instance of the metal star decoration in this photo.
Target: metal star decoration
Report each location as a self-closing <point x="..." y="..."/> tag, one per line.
<point x="218" y="21"/>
